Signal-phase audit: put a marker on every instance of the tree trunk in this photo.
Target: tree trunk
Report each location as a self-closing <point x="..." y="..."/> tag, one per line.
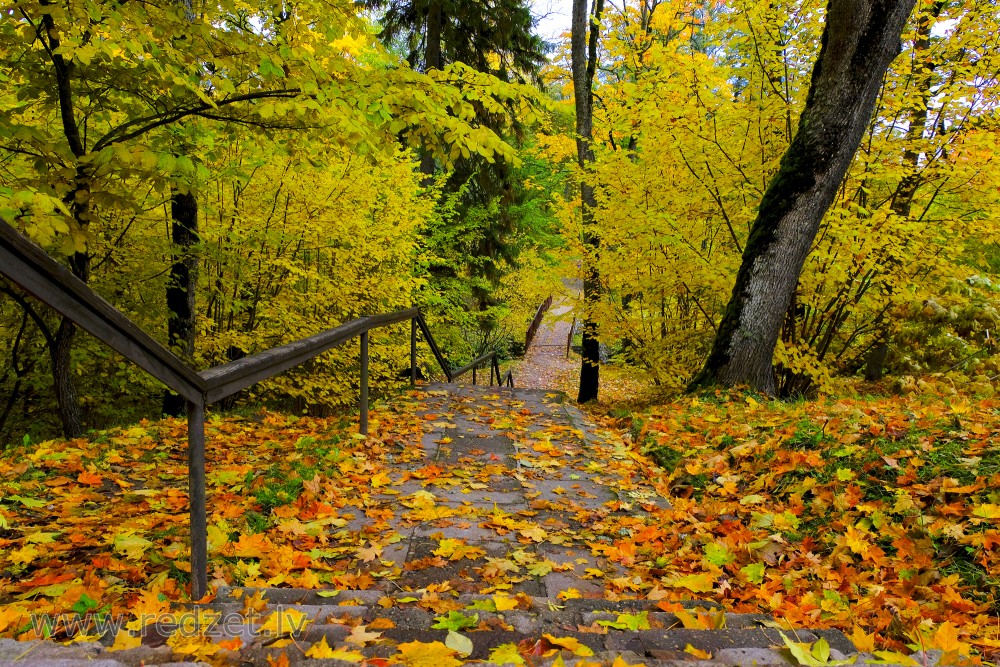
<point x="61" y="354"/>
<point x="433" y="59"/>
<point x="78" y="200"/>
<point x="432" y="47"/>
<point x="860" y="39"/>
<point x="181" y="286"/>
<point x="584" y="57"/>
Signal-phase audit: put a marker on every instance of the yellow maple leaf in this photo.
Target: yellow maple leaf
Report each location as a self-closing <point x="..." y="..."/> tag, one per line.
<point x="429" y="654"/>
<point x="455" y="549"/>
<point x="504" y="602"/>
<point x="534" y="533"/>
<point x="506" y="654"/>
<point x="24" y="555"/>
<point x="195" y="645"/>
<point x="862" y="641"/>
<point x="619" y="662"/>
<point x="570" y="644"/>
<point x="125" y="640"/>
<point x="12" y="616"/>
<point x="986" y="511"/>
<point x="321" y="650"/>
<point x="285" y="622"/>
<point x="697" y="652"/>
<point x="946" y="639"/>
<point x="360" y="636"/>
<point x="696" y="583"/>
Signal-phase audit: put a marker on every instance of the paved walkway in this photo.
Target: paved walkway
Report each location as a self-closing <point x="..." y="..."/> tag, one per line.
<point x="504" y="507"/>
<point x="545" y="365"/>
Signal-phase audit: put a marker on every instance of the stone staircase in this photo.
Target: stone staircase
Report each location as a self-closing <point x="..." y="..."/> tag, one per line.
<point x="743" y="640"/>
<point x="488" y="461"/>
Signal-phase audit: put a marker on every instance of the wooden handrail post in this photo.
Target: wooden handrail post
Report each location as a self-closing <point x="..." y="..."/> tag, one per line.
<point x="196" y="499"/>
<point x="413" y="352"/>
<point x="473" y="376"/>
<point x="363" y="426"/>
<point x="569" y="339"/>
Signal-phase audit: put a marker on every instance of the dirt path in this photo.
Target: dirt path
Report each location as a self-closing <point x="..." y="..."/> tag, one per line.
<point x="545" y="365"/>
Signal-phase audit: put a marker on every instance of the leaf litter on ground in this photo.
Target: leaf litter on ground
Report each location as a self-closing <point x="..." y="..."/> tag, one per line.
<point x="874" y="516"/>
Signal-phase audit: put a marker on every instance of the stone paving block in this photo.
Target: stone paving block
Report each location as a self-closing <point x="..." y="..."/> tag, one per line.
<point x="463" y="528"/>
<point x="623" y="641"/>
<point x="837" y="640"/>
<point x="525" y="622"/>
<point x="334" y="633"/>
<point x="401" y="635"/>
<point x="11" y="650"/>
<point x="329" y="613"/>
<point x="559" y="582"/>
<point x="584" y="605"/>
<point x="751" y="657"/>
<point x="143" y="655"/>
<point x="63" y="662"/>
<point x="482" y="499"/>
<point x="714" y="640"/>
<point x="408" y="617"/>
<point x="741" y="621"/>
<point x="484" y="641"/>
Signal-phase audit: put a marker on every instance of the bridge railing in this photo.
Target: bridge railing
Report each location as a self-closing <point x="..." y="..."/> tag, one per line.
<point x="32" y="269"/>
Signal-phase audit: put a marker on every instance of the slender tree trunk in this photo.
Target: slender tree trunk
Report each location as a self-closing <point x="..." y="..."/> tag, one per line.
<point x="584" y="57"/>
<point x="860" y="39"/>
<point x="78" y="199"/>
<point x="432" y="47"/>
<point x="61" y="354"/>
<point x="181" y="286"/>
<point x="433" y="59"/>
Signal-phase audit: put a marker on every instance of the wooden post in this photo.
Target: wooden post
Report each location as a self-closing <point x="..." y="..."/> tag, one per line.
<point x="473" y="376"/>
<point x="413" y="352"/>
<point x="196" y="499"/>
<point x="363" y="427"/>
<point x="569" y="339"/>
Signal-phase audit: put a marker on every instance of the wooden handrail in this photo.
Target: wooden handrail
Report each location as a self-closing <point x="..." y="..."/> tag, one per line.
<point x="472" y="365"/>
<point x="536" y="321"/>
<point x="47" y="280"/>
<point x="228" y="379"/>
<point x="40" y="275"/>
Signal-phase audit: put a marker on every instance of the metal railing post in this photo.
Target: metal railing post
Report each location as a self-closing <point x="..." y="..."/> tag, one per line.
<point x="473" y="376"/>
<point x="363" y="427"/>
<point x="196" y="499"/>
<point x="413" y="352"/>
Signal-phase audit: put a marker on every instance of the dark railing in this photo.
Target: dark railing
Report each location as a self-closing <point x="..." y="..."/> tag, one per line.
<point x="35" y="272"/>
<point x="536" y="322"/>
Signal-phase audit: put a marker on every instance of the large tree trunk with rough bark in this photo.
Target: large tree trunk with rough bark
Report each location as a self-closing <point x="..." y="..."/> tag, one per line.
<point x="860" y="39"/>
<point x="584" y="57"/>
<point x="181" y="286"/>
